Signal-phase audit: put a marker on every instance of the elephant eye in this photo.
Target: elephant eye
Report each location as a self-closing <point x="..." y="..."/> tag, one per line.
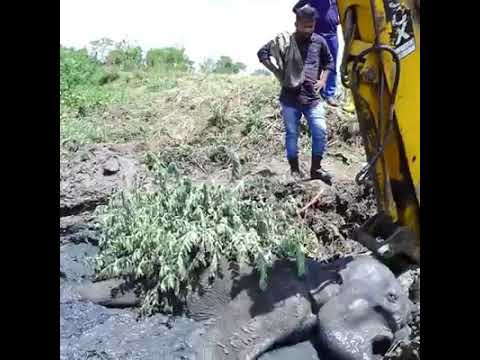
<point x="392" y="297"/>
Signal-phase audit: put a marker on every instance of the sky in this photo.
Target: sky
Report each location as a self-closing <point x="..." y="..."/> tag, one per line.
<point x="205" y="28"/>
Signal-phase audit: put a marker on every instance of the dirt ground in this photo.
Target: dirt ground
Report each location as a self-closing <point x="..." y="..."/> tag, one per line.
<point x="93" y="173"/>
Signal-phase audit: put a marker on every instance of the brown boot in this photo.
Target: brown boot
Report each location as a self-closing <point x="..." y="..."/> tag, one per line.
<point x="295" y="169"/>
<point x="316" y="171"/>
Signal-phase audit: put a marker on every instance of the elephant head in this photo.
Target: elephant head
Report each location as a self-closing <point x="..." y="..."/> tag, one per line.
<point x="368" y="314"/>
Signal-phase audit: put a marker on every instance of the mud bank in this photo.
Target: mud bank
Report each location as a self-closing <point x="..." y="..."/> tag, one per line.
<point x="95" y="172"/>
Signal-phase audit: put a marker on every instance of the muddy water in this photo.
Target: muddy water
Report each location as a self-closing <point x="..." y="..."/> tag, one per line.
<point x="90" y="331"/>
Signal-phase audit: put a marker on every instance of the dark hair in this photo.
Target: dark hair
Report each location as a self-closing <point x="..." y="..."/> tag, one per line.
<point x="306" y="12"/>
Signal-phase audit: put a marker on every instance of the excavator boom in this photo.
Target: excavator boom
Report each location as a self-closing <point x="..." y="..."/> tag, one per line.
<point x="381" y="66"/>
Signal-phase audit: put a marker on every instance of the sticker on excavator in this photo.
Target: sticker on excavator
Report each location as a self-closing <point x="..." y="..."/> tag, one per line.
<point x="402" y="38"/>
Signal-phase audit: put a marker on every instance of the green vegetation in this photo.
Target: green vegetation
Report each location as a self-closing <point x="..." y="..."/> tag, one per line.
<point x="126" y="59"/>
<point x="224" y="65"/>
<point x="80" y="76"/>
<point x="94" y="84"/>
<point x="163" y="237"/>
<point x="170" y="58"/>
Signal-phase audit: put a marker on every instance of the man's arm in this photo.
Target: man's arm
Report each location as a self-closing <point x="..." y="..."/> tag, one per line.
<point x="327" y="65"/>
<point x="264" y="57"/>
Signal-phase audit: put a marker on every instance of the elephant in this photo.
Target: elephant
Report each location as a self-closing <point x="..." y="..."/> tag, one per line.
<point x="349" y="309"/>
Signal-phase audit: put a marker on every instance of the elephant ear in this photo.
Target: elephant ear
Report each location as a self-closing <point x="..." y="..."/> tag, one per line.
<point x="324" y="294"/>
<point x="322" y="282"/>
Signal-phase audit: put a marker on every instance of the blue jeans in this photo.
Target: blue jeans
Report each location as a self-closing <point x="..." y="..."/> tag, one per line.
<point x="331" y="84"/>
<point x="315" y="116"/>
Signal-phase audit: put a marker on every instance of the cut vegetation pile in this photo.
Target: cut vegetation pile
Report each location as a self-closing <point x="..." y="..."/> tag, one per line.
<point x="165" y="235"/>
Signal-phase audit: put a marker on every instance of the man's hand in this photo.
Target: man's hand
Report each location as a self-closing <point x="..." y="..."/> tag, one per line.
<point x="319" y="85"/>
<point x="270" y="66"/>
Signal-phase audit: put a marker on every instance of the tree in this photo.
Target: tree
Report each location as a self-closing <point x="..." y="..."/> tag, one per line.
<point x="77" y="70"/>
<point x="100" y="48"/>
<point x="240" y="66"/>
<point x="261" y="72"/>
<point x="125" y="55"/>
<point x="168" y="57"/>
<point x="225" y="65"/>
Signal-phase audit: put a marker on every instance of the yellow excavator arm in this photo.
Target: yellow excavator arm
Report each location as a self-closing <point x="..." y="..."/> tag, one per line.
<point x="381" y="66"/>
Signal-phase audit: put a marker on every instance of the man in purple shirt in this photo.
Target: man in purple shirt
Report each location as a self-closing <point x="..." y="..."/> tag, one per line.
<point x="304" y="99"/>
<point x="326" y="26"/>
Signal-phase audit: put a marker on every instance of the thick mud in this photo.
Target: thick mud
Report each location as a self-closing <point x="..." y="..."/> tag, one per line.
<point x="337" y="213"/>
<point x="334" y="212"/>
<point x="91" y="176"/>
<point x="90" y="331"/>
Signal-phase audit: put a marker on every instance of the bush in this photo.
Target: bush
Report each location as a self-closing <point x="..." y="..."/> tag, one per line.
<point x="169" y="58"/>
<point x="80" y="75"/>
<point x="109" y="77"/>
<point x="163" y="238"/>
<point x="225" y="65"/>
<point x="78" y="68"/>
<point x="125" y="57"/>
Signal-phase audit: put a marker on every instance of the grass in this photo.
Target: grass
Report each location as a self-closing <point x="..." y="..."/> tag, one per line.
<point x="90" y="114"/>
<point x="237" y="112"/>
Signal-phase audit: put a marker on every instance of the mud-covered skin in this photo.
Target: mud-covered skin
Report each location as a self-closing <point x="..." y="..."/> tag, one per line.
<point x="248" y="321"/>
<point x="367" y="315"/>
<point x="302" y="351"/>
<point x="318" y="285"/>
<point x="358" y="300"/>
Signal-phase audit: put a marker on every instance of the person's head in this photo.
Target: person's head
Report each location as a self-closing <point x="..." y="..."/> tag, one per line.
<point x="305" y="21"/>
